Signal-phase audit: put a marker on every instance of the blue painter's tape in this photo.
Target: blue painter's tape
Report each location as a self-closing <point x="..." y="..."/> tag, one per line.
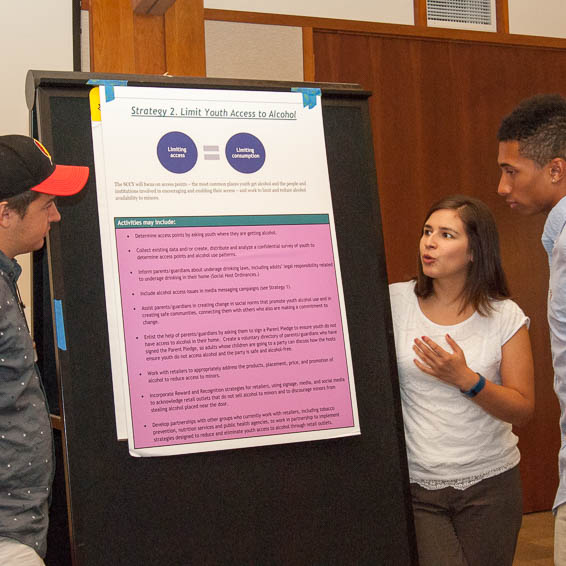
<point x="309" y="95"/>
<point x="108" y="86"/>
<point x="59" y="325"/>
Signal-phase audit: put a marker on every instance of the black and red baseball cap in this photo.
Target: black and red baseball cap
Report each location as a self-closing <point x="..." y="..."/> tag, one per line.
<point x="25" y="165"/>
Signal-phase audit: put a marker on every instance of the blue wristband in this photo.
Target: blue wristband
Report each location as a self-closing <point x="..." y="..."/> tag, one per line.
<point x="476" y="388"/>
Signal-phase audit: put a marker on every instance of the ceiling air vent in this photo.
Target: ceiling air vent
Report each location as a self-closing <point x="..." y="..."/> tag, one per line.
<point x="462" y="14"/>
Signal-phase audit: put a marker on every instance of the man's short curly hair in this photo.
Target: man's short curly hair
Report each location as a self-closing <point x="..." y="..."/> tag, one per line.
<point x="539" y="125"/>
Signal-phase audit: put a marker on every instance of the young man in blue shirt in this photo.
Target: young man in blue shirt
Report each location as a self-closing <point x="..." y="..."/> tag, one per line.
<point x="29" y="184"/>
<point x="532" y="158"/>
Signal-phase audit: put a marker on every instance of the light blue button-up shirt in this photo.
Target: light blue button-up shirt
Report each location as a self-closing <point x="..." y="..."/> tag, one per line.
<point x="554" y="242"/>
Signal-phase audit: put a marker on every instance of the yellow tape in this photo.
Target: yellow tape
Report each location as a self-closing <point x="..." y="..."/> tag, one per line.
<point x="94" y="97"/>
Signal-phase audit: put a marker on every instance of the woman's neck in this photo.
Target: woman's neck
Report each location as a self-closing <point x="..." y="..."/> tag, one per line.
<point x="445" y="305"/>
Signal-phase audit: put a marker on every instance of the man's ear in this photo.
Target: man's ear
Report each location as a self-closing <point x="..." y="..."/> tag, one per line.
<point x="6" y="215"/>
<point x="557" y="169"/>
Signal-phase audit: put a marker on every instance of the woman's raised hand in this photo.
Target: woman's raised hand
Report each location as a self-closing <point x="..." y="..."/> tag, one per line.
<point x="448" y="367"/>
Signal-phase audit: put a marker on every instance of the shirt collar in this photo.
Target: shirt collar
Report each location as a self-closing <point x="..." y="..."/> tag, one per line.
<point x="10" y="267"/>
<point x="555" y="221"/>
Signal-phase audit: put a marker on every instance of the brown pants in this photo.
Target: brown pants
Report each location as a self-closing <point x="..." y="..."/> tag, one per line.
<point x="477" y="526"/>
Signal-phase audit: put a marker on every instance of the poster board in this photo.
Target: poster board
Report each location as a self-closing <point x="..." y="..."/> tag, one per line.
<point x="226" y="316"/>
<point x="337" y="501"/>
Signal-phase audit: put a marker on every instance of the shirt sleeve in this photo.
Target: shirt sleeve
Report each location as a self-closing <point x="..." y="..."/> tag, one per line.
<point x="399" y="296"/>
<point x="512" y="318"/>
<point x="557" y="306"/>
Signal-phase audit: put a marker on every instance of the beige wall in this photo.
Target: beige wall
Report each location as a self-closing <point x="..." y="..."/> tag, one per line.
<point x="540" y="17"/>
<point x="253" y="51"/>
<point x="385" y="11"/>
<point x="33" y="35"/>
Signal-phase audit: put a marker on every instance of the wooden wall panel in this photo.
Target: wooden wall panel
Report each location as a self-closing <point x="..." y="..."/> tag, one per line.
<point x="436" y="108"/>
<point x="149" y="44"/>
<point x="420" y="12"/>
<point x="184" y="38"/>
<point x="124" y="42"/>
<point x="152" y="7"/>
<point x="502" y="14"/>
<point x="308" y="54"/>
<point x="111" y="36"/>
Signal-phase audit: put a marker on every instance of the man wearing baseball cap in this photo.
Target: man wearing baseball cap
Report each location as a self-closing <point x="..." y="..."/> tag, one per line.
<point x="29" y="183"/>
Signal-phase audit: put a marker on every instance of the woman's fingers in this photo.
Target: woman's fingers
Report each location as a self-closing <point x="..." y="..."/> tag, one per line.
<point x="427" y="359"/>
<point x="433" y="346"/>
<point x="428" y="348"/>
<point x="452" y="343"/>
<point x="424" y="367"/>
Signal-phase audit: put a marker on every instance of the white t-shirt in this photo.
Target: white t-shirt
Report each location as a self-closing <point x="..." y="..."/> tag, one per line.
<point x="452" y="441"/>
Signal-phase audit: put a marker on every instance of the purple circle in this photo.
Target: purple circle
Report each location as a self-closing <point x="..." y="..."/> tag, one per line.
<point x="177" y="152"/>
<point x="245" y="153"/>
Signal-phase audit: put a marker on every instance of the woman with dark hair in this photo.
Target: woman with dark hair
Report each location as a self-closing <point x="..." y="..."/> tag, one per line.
<point x="466" y="376"/>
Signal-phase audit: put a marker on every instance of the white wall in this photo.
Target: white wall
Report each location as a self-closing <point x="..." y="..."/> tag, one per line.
<point x="386" y="11"/>
<point x="34" y="34"/>
<point x="527" y="17"/>
<point x="540" y="17"/>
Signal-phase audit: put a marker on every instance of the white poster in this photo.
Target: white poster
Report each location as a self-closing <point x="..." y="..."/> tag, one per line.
<point x="225" y="308"/>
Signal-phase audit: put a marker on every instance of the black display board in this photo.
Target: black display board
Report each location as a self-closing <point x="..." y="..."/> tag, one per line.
<point x="342" y="501"/>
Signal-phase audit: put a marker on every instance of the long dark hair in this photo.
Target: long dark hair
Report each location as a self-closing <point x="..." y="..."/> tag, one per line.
<point x="486" y="279"/>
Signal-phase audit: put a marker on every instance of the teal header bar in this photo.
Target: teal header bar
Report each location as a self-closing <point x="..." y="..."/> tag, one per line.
<point x="204" y="221"/>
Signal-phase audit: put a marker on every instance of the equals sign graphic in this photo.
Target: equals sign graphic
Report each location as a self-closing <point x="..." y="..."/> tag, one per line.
<point x="211" y="152"/>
